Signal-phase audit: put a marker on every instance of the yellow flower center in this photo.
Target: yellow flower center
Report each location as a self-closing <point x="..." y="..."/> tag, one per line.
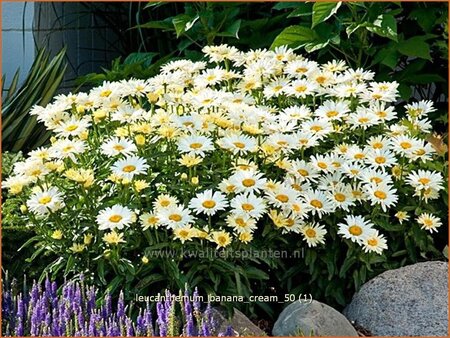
<point x="188" y="124"/>
<point x="316" y="128"/>
<point x="296" y="208"/>
<point x="321" y="79"/>
<point x="209" y="204"/>
<point x="183" y="233"/>
<point x="247" y="207"/>
<point x="380" y="194"/>
<point x="405" y="145"/>
<point x="72" y="127"/>
<point x="277" y="88"/>
<point x="248" y="182"/>
<point x="359" y="156"/>
<point x="231" y="188"/>
<point x="355" y="230"/>
<point x="165" y="203"/>
<point x="322" y="165"/>
<point x="222" y="240"/>
<point x="129" y="168"/>
<point x="289" y="222"/>
<point x="372" y="242"/>
<point x="195" y="145"/>
<point x="67" y="149"/>
<point x="118" y="147"/>
<point x="311" y="233"/>
<point x="377" y="180"/>
<point x="282" y="198"/>
<point x="152" y="220"/>
<point x="376" y="96"/>
<point x="428" y="222"/>
<point x="303" y="172"/>
<point x="316" y="204"/>
<point x="105" y="93"/>
<point x="239" y="221"/>
<point x="300" y="89"/>
<point x="301" y="70"/>
<point x="339" y="197"/>
<point x="420" y="152"/>
<point x="363" y="120"/>
<point x="382" y="114"/>
<point x="115" y="218"/>
<point x="354" y="171"/>
<point x="45" y="200"/>
<point x="175" y="217"/>
<point x="36" y="172"/>
<point x="380" y="159"/>
<point x="239" y="145"/>
<point x="332" y="113"/>
<point x="377" y="145"/>
<point x="424" y="180"/>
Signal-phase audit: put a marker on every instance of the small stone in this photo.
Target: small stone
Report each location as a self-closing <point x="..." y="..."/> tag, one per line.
<point x="410" y="301"/>
<point x="312" y="319"/>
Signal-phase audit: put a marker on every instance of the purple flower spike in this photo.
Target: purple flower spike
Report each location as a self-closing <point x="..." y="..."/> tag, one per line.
<point x="121" y="306"/>
<point x="205" y="330"/>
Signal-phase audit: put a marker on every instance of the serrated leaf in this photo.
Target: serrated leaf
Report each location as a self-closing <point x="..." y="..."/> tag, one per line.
<point x="322" y="11"/>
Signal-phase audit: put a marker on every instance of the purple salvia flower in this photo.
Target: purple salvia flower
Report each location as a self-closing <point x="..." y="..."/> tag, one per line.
<point x="129" y="327"/>
<point x="205" y="330"/>
<point x="140" y="325"/>
<point x="148" y="321"/>
<point x="190" y="327"/>
<point x="161" y="320"/>
<point x="187" y="304"/>
<point x="228" y="332"/>
<point x="121" y="306"/>
<point x="19" y="328"/>
<point x="196" y="301"/>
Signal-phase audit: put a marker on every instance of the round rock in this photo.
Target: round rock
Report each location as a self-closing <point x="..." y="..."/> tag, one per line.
<point x="410" y="301"/>
<point x="312" y="319"/>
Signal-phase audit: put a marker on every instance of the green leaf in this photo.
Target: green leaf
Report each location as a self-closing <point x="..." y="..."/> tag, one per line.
<point x="304" y="9"/>
<point x="415" y="47"/>
<point x="70" y="264"/>
<point x="180" y="22"/>
<point x="232" y="30"/>
<point x="294" y="37"/>
<point x="166" y="25"/>
<point x="347" y="265"/>
<point x="322" y="11"/>
<point x="286" y="5"/>
<point x="385" y="25"/>
<point x="144" y="58"/>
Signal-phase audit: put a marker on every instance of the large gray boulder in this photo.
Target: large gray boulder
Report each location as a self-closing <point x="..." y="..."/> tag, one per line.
<point x="410" y="301"/>
<point x="312" y="319"/>
<point x="241" y="325"/>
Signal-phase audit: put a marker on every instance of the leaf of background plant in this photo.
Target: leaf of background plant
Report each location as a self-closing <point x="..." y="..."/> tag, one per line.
<point x="232" y="30"/>
<point x="145" y="58"/>
<point x="294" y="37"/>
<point x="415" y="46"/>
<point x="180" y="22"/>
<point x="385" y="25"/>
<point x="322" y="11"/>
<point x="303" y="9"/>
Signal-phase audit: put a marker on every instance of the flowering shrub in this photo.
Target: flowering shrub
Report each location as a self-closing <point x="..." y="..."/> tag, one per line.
<point x="262" y="149"/>
<point x="75" y="312"/>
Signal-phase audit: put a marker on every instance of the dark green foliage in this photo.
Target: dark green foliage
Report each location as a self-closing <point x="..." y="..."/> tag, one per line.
<point x="20" y="131"/>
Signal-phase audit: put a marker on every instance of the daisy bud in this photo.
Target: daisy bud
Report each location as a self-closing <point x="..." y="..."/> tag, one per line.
<point x="99" y="114"/>
<point x="88" y="239"/>
<point x="57" y="234"/>
<point x="194" y="180"/>
<point x="140" y="139"/>
<point x="107" y="253"/>
<point x="84" y="135"/>
<point x="81" y="109"/>
<point x="23" y="208"/>
<point x="53" y="139"/>
<point x="184" y="176"/>
<point x="145" y="260"/>
<point x="152" y="97"/>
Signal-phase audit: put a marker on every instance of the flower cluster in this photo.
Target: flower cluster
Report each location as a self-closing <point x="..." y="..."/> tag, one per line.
<point x="74" y="312"/>
<point x="214" y="150"/>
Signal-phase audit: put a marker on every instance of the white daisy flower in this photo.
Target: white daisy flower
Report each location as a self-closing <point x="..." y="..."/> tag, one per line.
<point x="429" y="222"/>
<point x="115" y="217"/>
<point x="149" y="221"/>
<point x="374" y="242"/>
<point x="425" y="179"/>
<point x="175" y="216"/>
<point x="282" y="197"/>
<point x="238" y="144"/>
<point x="164" y="201"/>
<point x="313" y="234"/>
<point x="318" y="202"/>
<point x="43" y="202"/>
<point x="247" y="181"/>
<point x="380" y="158"/>
<point x="129" y="167"/>
<point x="208" y="202"/>
<point x="195" y="145"/>
<point x="241" y="223"/>
<point x="116" y="146"/>
<point x="72" y="127"/>
<point x="248" y="204"/>
<point x="355" y="228"/>
<point x="382" y="194"/>
<point x="332" y="110"/>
